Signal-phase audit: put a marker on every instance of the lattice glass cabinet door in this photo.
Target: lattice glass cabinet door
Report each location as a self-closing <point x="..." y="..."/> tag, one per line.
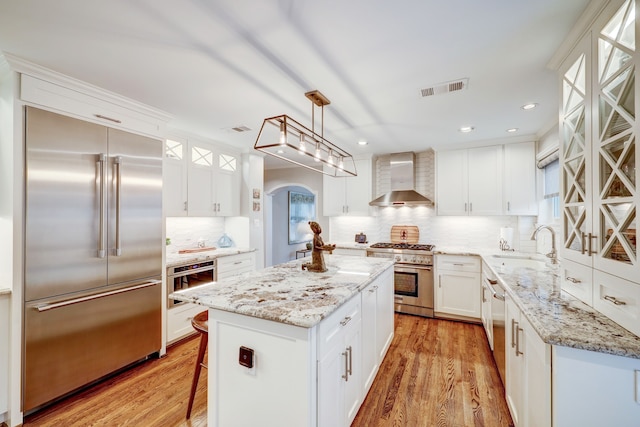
<point x="614" y="146"/>
<point x="575" y="147"/>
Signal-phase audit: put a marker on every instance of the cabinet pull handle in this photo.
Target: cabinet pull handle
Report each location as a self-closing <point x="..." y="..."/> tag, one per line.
<point x="100" y="116"/>
<point x="346" y="320"/>
<point x="614" y="300"/>
<point x="465" y="207"/>
<point x="582" y="247"/>
<point x="508" y="206"/>
<point x="572" y="280"/>
<point x="350" y="350"/>
<point x="346" y="366"/>
<point x="513" y="330"/>
<point x="439" y="280"/>
<point x="591" y="251"/>
<point x="518" y="330"/>
<point x="484" y="298"/>
<point x="470" y="207"/>
<point x="185" y="206"/>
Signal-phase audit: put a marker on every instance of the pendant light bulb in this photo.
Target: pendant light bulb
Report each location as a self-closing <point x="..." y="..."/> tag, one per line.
<point x="330" y="158"/>
<point x="283" y="134"/>
<point x="341" y="163"/>
<point x="317" y="156"/>
<point x="303" y="146"/>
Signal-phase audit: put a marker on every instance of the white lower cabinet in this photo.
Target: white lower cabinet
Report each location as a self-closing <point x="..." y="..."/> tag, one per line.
<point x="233" y="265"/>
<point x="595" y="389"/>
<point x="528" y="371"/>
<point x="350" y="251"/>
<point x="457" y="288"/>
<point x="4" y="356"/>
<point x="179" y="321"/>
<point x="485" y="301"/>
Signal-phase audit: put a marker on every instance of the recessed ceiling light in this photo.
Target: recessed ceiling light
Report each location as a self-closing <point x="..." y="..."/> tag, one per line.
<point x="512" y="130"/>
<point x="529" y="106"/>
<point x="280" y="151"/>
<point x="466" y="129"/>
<point x="362" y="142"/>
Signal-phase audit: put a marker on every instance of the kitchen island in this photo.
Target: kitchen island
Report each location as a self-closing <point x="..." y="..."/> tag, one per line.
<point x="293" y="347"/>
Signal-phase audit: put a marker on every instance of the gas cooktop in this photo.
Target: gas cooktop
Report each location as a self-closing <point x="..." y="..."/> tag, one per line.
<point x="408" y="246"/>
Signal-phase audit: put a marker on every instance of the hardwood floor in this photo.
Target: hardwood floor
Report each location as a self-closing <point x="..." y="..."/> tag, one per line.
<point x="437" y="373"/>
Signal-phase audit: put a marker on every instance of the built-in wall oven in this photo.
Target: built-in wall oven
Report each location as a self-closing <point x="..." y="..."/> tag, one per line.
<point x="187" y="276"/>
<point x="413" y="275"/>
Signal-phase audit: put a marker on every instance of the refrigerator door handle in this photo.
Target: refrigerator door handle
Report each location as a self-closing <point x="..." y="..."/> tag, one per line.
<point x="47" y="307"/>
<point x="118" y="165"/>
<point x="103" y="194"/>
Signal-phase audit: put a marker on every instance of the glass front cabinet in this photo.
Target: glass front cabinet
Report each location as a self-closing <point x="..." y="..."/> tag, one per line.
<point x="598" y="145"/>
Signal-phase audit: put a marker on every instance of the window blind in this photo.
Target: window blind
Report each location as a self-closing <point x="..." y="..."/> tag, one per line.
<point x="552" y="179"/>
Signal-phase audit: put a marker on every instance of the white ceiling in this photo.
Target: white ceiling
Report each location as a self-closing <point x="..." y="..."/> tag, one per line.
<point x="218" y="64"/>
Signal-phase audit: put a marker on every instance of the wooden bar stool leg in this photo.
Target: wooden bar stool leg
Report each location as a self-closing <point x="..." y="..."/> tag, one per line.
<point x="196" y="375"/>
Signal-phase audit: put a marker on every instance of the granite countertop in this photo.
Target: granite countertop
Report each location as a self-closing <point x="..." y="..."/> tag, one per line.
<point x="351" y="245"/>
<point x="174" y="258"/>
<point x="558" y="317"/>
<point x="287" y="294"/>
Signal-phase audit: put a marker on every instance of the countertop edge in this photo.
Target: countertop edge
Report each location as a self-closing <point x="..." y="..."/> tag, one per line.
<point x="174" y="259"/>
<point x="5" y="291"/>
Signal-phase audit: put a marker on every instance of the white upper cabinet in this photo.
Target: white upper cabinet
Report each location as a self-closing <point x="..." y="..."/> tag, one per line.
<point x="200" y="179"/>
<point x="348" y="195"/>
<point x="469" y="182"/>
<point x="598" y="146"/>
<point x="520" y="179"/>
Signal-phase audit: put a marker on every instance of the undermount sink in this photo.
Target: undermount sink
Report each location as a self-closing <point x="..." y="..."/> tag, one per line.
<point x="520" y="261"/>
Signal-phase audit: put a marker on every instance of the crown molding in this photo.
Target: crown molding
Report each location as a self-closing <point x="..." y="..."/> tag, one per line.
<point x="26" y="67"/>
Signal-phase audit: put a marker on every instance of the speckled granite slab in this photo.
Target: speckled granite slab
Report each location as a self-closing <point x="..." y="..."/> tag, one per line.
<point x="558" y="317"/>
<point x="173" y="258"/>
<point x="287" y="294"/>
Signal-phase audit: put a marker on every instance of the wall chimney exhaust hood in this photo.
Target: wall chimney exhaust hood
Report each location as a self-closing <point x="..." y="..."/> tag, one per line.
<point x="402" y="173"/>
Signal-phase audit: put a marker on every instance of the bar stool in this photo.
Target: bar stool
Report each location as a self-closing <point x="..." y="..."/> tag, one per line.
<point x="200" y="323"/>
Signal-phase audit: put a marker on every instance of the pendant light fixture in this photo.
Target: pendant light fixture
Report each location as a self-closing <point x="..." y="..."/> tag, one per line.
<point x="287" y="139"/>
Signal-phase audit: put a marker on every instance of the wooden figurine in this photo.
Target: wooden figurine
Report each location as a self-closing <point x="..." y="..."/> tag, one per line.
<point x="317" y="258"/>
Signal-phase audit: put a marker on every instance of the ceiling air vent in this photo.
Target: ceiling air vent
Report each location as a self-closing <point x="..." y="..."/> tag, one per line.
<point x="240" y="128"/>
<point x="446" y="87"/>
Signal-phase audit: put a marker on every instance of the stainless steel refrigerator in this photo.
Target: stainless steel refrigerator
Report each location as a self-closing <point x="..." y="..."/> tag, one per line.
<point x="93" y="253"/>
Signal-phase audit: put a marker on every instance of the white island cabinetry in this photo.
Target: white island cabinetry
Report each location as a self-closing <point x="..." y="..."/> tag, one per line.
<point x="314" y="339"/>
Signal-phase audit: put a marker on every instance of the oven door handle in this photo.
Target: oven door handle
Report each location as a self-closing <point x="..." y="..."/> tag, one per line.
<point x="412" y="269"/>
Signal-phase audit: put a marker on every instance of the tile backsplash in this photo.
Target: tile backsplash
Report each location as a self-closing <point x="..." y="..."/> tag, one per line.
<point x="185" y="232"/>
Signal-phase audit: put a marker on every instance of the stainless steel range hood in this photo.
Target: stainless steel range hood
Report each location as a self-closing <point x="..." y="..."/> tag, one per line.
<point x="402" y="173"/>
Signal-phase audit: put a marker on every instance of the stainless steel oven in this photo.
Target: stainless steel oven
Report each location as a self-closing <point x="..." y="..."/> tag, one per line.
<point x="413" y="276"/>
<point x="187" y="276"/>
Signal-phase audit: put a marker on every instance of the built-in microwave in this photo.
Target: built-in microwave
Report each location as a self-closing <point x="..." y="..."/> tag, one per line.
<point x="187" y="276"/>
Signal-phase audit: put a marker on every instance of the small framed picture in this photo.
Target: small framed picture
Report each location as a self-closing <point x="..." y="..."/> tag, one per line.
<point x="256" y="206"/>
<point x="256" y="194"/>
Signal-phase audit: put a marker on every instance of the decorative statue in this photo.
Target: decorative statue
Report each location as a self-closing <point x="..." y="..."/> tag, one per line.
<point x="317" y="258"/>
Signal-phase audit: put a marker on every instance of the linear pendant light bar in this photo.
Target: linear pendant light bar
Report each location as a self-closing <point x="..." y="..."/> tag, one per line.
<point x="289" y="140"/>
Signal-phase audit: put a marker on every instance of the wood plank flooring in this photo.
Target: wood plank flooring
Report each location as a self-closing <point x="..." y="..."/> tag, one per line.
<point x="437" y="373"/>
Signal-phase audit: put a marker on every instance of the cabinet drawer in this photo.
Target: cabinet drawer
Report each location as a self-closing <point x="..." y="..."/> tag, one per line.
<point x="576" y="280"/>
<point x="92" y="108"/>
<point x="458" y="263"/>
<point x="179" y="321"/>
<point x="235" y="263"/>
<point x="617" y="299"/>
<point x="331" y="330"/>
